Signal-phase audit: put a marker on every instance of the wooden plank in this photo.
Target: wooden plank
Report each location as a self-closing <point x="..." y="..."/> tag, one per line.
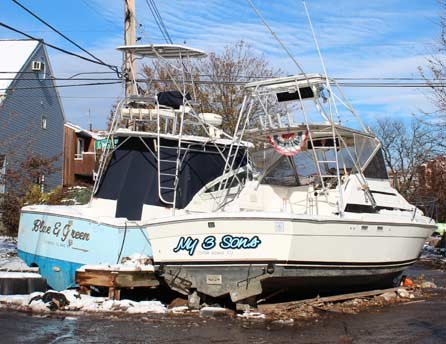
<point x="122" y="279"/>
<point x="141" y="279"/>
<point x="343" y="297"/>
<point x="88" y="278"/>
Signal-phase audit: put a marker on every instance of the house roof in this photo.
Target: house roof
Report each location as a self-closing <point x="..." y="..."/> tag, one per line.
<point x="13" y="55"/>
<point x="79" y="130"/>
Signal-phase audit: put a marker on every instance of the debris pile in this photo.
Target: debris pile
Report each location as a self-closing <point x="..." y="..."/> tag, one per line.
<point x="433" y="257"/>
<point x="346" y="304"/>
<point x="284" y="313"/>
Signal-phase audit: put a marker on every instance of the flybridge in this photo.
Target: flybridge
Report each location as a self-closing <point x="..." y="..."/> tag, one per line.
<point x="165" y="51"/>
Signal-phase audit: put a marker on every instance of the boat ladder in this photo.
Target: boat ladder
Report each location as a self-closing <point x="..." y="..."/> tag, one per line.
<point x="169" y="165"/>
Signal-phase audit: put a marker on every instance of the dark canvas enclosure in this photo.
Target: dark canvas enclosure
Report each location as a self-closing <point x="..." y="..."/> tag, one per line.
<point x="172" y="98"/>
<point x="132" y="179"/>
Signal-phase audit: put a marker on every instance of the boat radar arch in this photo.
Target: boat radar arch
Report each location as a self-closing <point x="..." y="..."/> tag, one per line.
<point x="166" y="51"/>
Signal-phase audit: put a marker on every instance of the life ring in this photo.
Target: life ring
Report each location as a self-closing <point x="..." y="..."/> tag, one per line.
<point x="289" y="144"/>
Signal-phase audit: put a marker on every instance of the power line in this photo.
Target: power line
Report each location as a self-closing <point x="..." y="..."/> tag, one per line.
<point x="159" y="20"/>
<point x="344" y="84"/>
<point x="56" y="48"/>
<point x="227" y="82"/>
<point x="436" y="81"/>
<point x="63" y="35"/>
<point x="60" y="86"/>
<point x="396" y="85"/>
<point x="66" y="79"/>
<point x="384" y="78"/>
<point x="69" y="30"/>
<point x="28" y="72"/>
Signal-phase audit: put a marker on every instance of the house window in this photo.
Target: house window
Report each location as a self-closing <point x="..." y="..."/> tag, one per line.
<point x="2" y="174"/>
<point x="42" y="74"/>
<point x="43" y="122"/>
<point x="39" y="68"/>
<point x="79" y="149"/>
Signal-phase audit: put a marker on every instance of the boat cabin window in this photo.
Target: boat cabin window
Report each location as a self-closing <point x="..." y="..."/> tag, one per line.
<point x="231" y="183"/>
<point x="377" y="167"/>
<point x="301" y="169"/>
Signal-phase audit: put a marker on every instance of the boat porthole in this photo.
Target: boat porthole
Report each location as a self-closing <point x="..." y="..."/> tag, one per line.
<point x="211" y="224"/>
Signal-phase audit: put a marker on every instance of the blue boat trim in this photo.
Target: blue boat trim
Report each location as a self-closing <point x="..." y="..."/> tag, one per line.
<point x="60" y="274"/>
<point x="59" y="245"/>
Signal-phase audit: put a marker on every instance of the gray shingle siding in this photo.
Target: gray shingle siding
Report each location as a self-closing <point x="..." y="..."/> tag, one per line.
<point x="21" y="132"/>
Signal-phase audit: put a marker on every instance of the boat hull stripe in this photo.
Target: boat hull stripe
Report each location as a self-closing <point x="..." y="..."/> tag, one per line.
<point x="293" y="263"/>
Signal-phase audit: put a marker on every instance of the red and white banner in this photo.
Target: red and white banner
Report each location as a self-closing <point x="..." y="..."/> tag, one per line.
<point x="289" y="144"/>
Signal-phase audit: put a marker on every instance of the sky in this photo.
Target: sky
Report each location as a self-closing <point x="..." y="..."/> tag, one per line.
<point x="358" y="38"/>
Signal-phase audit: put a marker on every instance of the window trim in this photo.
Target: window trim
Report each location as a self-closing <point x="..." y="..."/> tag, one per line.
<point x="80" y="147"/>
<point x="43" y="122"/>
<point x="42" y="72"/>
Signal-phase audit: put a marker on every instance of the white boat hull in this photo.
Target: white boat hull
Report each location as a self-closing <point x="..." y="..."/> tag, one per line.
<point x="225" y="254"/>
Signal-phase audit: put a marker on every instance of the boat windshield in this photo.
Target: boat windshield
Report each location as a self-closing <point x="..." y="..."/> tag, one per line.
<point x="301" y="169"/>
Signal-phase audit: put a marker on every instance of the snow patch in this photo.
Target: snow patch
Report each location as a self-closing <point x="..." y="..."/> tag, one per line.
<point x="15" y="274"/>
<point x="251" y="315"/>
<point x="84" y="303"/>
<point x="135" y="262"/>
<point x="179" y="310"/>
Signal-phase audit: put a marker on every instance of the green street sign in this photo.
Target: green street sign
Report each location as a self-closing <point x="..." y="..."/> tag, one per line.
<point x="104" y="143"/>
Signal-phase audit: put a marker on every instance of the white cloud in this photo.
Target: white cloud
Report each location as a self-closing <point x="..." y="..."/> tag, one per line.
<point x="357" y="39"/>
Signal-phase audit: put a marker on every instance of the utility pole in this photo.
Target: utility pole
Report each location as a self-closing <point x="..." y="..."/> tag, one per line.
<point x="129" y="39"/>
